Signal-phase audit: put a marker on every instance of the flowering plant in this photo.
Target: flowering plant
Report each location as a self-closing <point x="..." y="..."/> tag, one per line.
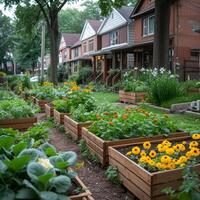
<point x="131" y="123"/>
<point x="166" y="155"/>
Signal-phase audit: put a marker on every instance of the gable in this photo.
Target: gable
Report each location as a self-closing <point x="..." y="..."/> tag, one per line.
<point x="62" y="43"/>
<point x="114" y="20"/>
<point x="87" y="32"/>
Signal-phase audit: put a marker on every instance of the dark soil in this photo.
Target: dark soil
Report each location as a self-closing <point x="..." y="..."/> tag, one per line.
<point x="92" y="175"/>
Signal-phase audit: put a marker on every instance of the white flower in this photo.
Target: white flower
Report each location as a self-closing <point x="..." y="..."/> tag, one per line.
<point x="162" y="70"/>
<point x="142" y="69"/>
<point x="45" y="163"/>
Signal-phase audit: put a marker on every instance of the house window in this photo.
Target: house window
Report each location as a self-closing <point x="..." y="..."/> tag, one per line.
<point x="148" y="26"/>
<point x="76" y="52"/>
<point x="91" y="45"/>
<point x="113" y="38"/>
<point x="84" y="47"/>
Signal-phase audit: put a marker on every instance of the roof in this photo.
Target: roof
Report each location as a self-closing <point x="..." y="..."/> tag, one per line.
<point x="70" y="38"/>
<point x="78" y="43"/>
<point x="95" y="24"/>
<point x="126" y="11"/>
<point x="148" y="8"/>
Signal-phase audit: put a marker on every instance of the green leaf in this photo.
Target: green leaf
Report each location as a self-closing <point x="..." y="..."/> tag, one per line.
<point x="3" y="167"/>
<point x="60" y="183"/>
<point x="195" y="195"/>
<point x="49" y="149"/>
<point x="70" y="157"/>
<point x="62" y="165"/>
<point x="26" y="193"/>
<point x="18" y="163"/>
<point x="28" y="184"/>
<point x="48" y="196"/>
<point x="44" y="179"/>
<point x="6" y="142"/>
<point x="19" y="147"/>
<point x="185" y="196"/>
<point x="33" y="153"/>
<point x="35" y="170"/>
<point x="7" y="194"/>
<point x="62" y="197"/>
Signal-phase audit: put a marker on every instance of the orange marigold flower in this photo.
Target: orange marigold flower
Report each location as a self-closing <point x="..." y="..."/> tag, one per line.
<point x="110" y="123"/>
<point x="124" y="116"/>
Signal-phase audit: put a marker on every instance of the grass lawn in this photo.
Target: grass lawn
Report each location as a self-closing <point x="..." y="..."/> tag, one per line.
<point x="184" y="122"/>
<point x="106" y="97"/>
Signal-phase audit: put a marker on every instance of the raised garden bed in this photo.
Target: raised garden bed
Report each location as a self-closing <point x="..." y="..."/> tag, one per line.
<point x="193" y="90"/>
<point x="19" y="124"/>
<point x="41" y="104"/>
<point x="58" y="116"/>
<point x="132" y="97"/>
<point x="86" y="195"/>
<point x="99" y="147"/>
<point x="74" y="128"/>
<point x="143" y="184"/>
<point x="49" y="110"/>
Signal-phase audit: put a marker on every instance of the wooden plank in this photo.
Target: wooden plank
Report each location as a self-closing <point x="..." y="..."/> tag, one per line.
<point x="132" y="177"/>
<point x="94" y="153"/>
<point x="19" y="121"/>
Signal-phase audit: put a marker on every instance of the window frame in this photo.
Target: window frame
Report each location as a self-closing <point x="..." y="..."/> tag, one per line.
<point x="147" y="26"/>
<point x="113" y="37"/>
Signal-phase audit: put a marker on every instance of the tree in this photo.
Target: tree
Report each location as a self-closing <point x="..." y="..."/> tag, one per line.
<point x="5" y="38"/>
<point x="26" y="38"/>
<point x="50" y="10"/>
<point x="73" y="20"/>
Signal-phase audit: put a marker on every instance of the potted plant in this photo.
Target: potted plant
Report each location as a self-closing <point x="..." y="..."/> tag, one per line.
<point x="146" y="168"/>
<point x="17" y="114"/>
<point x="132" y="125"/>
<point x="134" y="91"/>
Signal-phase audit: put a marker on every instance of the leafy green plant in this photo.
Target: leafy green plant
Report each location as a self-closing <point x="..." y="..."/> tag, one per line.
<point x="131" y="123"/>
<point x="164" y="88"/>
<point x="61" y="105"/>
<point x="2" y="74"/>
<point x="190" y="188"/>
<point x="7" y="95"/>
<point x="46" y="93"/>
<point x="16" y="109"/>
<point x="83" y="74"/>
<point x="28" y="173"/>
<point x="112" y="175"/>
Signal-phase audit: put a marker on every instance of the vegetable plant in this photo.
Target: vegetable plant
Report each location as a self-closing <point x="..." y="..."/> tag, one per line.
<point x="16" y="109"/>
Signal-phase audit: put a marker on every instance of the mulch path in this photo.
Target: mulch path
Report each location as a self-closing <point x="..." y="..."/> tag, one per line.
<point x="92" y="175"/>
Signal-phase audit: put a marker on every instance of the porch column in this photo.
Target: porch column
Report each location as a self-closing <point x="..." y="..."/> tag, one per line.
<point x="121" y="61"/>
<point x="94" y="63"/>
<point x="105" y="68"/>
<point x="114" y="61"/>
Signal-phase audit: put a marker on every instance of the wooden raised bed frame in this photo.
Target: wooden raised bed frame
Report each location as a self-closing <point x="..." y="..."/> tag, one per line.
<point x="143" y="184"/>
<point x="41" y="104"/>
<point x="49" y="110"/>
<point x="99" y="147"/>
<point x="74" y="128"/>
<point x="58" y="116"/>
<point x="19" y="124"/>
<point x="132" y="97"/>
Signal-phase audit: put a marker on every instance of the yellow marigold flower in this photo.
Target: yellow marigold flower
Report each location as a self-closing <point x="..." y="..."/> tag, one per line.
<point x="135" y="150"/>
<point x="182" y="165"/>
<point x="143" y="153"/>
<point x="183" y="159"/>
<point x="170" y="151"/>
<point x="129" y="153"/>
<point x="194" y="144"/>
<point x="86" y="90"/>
<point x="196" y="136"/>
<point x="147" y="145"/>
<point x="166" y="143"/>
<point x="160" y="148"/>
<point x="159" y="165"/>
<point x="142" y="159"/>
<point x="179" y="147"/>
<point x="165" y="159"/>
<point x="152" y="163"/>
<point x="172" y="166"/>
<point x="195" y="152"/>
<point x="148" y="159"/>
<point x="188" y="154"/>
<point x="152" y="154"/>
<point x="184" y="142"/>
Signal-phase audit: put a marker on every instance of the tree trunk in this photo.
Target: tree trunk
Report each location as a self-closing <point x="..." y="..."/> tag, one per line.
<point x="161" y="36"/>
<point x="53" y="30"/>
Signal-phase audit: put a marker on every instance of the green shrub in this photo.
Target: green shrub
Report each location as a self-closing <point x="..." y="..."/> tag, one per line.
<point x="84" y="74"/>
<point x="16" y="109"/>
<point x="6" y="95"/>
<point x="48" y="93"/>
<point x="61" y="105"/>
<point x="2" y="74"/>
<point x="164" y="88"/>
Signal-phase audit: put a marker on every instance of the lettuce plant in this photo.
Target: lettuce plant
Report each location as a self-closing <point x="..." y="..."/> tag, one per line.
<point x="16" y="109"/>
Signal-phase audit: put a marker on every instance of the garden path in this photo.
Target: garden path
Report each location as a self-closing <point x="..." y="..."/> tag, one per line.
<point x="92" y="175"/>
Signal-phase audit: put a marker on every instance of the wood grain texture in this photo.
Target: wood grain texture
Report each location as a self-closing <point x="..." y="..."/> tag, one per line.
<point x="49" y="110"/>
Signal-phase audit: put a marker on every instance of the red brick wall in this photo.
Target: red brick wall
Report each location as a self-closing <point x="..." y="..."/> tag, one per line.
<point x="122" y="37"/>
<point x="95" y="43"/>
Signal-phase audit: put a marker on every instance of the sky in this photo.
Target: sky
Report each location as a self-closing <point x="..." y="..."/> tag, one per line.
<point x="10" y="12"/>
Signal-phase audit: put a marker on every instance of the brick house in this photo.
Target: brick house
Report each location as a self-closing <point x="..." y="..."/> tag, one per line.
<point x="116" y="33"/>
<point x="184" y="41"/>
<point x="67" y="41"/>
